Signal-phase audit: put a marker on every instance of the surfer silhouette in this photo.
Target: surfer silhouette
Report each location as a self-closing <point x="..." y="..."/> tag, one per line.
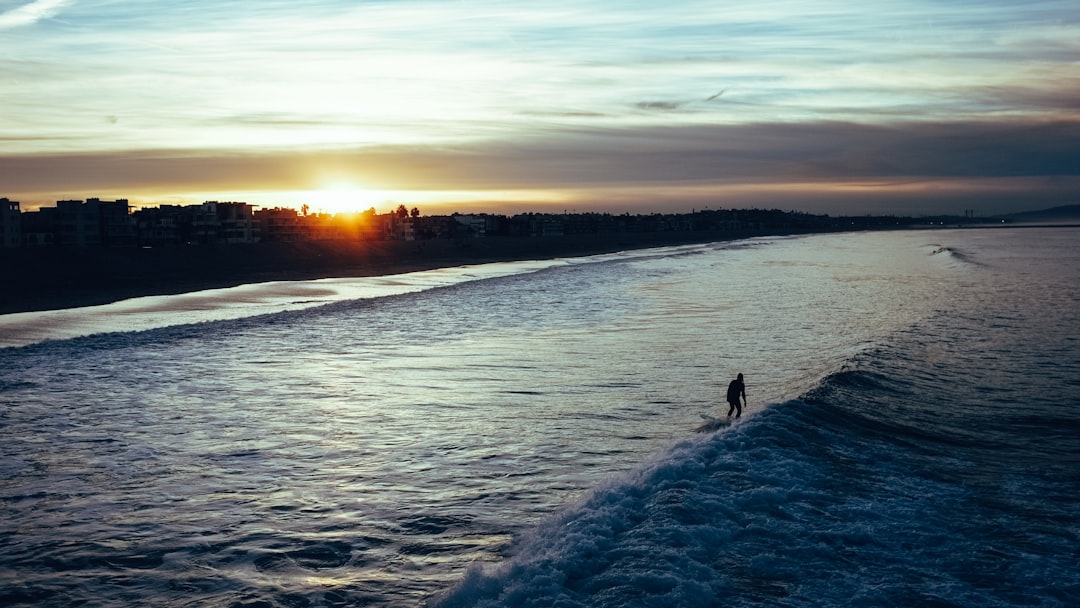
<point x="734" y="391"/>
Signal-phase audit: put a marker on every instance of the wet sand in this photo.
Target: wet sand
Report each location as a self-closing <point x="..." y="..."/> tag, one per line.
<point x="54" y="278"/>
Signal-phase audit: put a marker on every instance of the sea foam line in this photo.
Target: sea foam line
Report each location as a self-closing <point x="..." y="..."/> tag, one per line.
<point x="155" y="312"/>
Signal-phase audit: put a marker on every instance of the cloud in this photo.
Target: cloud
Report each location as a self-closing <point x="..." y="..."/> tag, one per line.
<point x="31" y="13"/>
<point x="197" y="75"/>
<point x="671" y="106"/>
<point x="825" y="166"/>
<point x="659" y="105"/>
<point x="426" y="95"/>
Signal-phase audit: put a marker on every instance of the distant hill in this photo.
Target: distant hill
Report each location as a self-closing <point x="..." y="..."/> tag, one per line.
<point x="1065" y="213"/>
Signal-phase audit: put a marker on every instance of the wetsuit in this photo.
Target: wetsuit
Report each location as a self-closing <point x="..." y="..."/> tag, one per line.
<point x="734" y="391"/>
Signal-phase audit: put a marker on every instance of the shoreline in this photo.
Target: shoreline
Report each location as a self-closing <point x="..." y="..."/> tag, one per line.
<point x="36" y="280"/>
<point x="54" y="278"/>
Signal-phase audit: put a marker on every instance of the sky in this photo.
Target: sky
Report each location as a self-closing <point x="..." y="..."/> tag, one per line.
<point x="877" y="107"/>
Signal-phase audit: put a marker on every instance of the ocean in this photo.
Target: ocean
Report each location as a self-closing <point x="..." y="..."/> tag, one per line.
<point x="554" y="433"/>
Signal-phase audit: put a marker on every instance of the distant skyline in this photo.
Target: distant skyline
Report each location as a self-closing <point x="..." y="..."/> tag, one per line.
<point x="904" y="107"/>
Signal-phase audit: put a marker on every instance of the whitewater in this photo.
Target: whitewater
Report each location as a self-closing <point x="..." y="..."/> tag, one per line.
<point x="535" y="433"/>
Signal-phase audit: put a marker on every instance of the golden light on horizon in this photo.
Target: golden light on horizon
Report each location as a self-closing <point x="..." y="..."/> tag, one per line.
<point x="341" y="197"/>
<point x="349" y="197"/>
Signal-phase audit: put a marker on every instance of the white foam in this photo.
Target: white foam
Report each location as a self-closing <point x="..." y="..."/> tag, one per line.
<point x="152" y="312"/>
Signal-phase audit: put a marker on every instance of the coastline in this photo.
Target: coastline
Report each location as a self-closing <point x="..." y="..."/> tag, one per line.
<point x="56" y="278"/>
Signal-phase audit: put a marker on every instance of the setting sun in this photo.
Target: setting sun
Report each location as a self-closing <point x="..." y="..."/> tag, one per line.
<point x="340" y="198"/>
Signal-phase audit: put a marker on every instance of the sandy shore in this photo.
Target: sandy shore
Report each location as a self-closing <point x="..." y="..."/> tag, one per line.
<point x="50" y="279"/>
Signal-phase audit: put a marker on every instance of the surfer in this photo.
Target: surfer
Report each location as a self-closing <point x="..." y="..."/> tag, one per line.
<point x="734" y="391"/>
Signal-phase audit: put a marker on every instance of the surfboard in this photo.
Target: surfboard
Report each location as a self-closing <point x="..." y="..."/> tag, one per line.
<point x="713" y="424"/>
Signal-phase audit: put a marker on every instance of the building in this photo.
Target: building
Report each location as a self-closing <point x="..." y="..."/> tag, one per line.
<point x="279" y="225"/>
<point x="538" y="225"/>
<point x="76" y="225"/>
<point x="160" y="226"/>
<point x="117" y="225"/>
<point x="39" y="227"/>
<point x="237" y="222"/>
<point x="435" y="227"/>
<point x="397" y="227"/>
<point x="10" y="224"/>
<point x="474" y="225"/>
<point x="223" y="223"/>
<point x="93" y="223"/>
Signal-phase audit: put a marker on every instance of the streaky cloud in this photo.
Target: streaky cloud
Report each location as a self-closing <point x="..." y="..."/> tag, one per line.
<point x="425" y="95"/>
<point x="31" y="13"/>
<point x="823" y="164"/>
<point x="665" y="106"/>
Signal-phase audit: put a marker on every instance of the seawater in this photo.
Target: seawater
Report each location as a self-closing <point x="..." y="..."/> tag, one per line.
<point x="530" y="437"/>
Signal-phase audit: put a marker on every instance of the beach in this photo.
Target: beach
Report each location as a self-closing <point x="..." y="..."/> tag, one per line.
<point x="57" y="278"/>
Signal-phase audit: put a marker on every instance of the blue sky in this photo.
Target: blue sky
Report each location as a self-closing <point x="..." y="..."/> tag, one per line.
<point x="890" y="107"/>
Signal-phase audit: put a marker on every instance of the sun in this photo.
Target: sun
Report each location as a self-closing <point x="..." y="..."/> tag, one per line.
<point x="341" y="198"/>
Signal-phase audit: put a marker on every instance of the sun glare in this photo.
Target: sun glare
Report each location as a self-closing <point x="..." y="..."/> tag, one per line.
<point x="341" y="199"/>
<point x="352" y="198"/>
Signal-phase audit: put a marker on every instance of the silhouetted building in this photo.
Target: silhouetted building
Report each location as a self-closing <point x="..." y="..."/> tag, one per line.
<point x="472" y="225"/>
<point x="205" y="224"/>
<point x="434" y="227"/>
<point x="538" y="225"/>
<point x="160" y="226"/>
<point x="117" y="225"/>
<point x="397" y="227"/>
<point x="76" y="226"/>
<point x="94" y="223"/>
<point x="39" y="227"/>
<point x="279" y="225"/>
<point x="237" y="222"/>
<point x="223" y="223"/>
<point x="10" y="224"/>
